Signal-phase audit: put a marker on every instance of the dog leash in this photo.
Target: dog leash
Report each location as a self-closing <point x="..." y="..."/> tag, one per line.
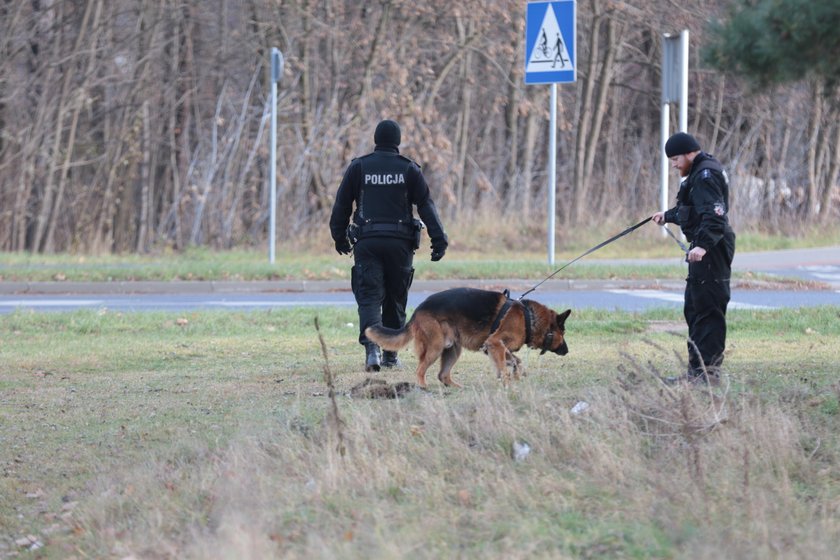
<point x="592" y="250"/>
<point x="675" y="238"/>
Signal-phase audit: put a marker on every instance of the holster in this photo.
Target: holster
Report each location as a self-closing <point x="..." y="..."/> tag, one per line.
<point x="353" y="233"/>
<point x="419" y="226"/>
<point x="688" y="220"/>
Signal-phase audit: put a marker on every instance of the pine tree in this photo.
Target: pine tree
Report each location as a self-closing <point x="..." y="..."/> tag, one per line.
<point x="777" y="41"/>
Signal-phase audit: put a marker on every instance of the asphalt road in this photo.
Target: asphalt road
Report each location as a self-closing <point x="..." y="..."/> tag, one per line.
<point x="821" y="267"/>
<point x="627" y="299"/>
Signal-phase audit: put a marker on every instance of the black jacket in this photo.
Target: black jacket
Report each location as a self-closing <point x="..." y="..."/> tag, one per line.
<point x="703" y="203"/>
<point x="414" y="190"/>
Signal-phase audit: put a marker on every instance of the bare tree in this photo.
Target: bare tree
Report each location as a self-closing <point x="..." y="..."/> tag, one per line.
<point x="129" y="125"/>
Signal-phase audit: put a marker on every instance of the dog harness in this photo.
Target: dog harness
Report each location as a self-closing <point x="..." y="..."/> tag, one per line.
<point x="502" y="312"/>
<point x="529" y="321"/>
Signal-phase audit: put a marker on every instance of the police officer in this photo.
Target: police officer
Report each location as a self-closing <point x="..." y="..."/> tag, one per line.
<point x="701" y="212"/>
<point x="384" y="186"/>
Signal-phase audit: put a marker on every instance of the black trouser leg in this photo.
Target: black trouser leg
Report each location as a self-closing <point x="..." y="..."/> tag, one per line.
<point x="707" y="296"/>
<point x="690" y="319"/>
<point x="397" y="282"/>
<point x="381" y="277"/>
<point x="368" y="291"/>
<point x="705" y="314"/>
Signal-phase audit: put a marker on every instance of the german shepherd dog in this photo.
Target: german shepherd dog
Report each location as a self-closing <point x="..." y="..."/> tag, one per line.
<point x="449" y="321"/>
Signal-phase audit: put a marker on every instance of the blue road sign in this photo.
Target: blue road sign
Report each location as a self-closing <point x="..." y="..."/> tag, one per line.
<point x="550" y="29"/>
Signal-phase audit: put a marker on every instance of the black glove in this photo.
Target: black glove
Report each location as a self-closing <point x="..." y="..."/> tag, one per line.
<point x="438" y="249"/>
<point x="343" y="246"/>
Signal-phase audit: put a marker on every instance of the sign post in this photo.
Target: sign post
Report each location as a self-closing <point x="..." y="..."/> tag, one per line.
<point x="276" y="73"/>
<point x="674" y="90"/>
<point x="550" y="58"/>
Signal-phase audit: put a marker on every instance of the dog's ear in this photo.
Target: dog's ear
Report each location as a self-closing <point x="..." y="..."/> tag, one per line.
<point x="561" y="317"/>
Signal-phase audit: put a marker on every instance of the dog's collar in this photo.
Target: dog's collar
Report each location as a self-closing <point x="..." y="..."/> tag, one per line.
<point x="547" y="340"/>
<point x="529" y="321"/>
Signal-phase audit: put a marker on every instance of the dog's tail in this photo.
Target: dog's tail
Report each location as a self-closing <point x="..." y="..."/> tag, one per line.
<point x="390" y="339"/>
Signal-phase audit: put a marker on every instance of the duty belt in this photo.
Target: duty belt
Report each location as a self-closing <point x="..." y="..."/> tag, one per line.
<point x="397" y="227"/>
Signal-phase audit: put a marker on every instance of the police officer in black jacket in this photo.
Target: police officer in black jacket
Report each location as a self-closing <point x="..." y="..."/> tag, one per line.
<point x="701" y="212"/>
<point x="383" y="185"/>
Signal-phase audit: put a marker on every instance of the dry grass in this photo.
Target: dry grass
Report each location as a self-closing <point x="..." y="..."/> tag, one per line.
<point x="523" y="232"/>
<point x="646" y="471"/>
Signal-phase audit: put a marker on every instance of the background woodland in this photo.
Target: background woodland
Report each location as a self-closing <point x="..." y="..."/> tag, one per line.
<point x="133" y="125"/>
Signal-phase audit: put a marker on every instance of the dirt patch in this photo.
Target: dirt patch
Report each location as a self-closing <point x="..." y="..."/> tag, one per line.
<point x="666" y="326"/>
<point x="781" y="284"/>
<point x="372" y="388"/>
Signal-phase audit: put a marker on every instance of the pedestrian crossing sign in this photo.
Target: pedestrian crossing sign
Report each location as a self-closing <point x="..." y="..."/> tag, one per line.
<point x="550" y="29"/>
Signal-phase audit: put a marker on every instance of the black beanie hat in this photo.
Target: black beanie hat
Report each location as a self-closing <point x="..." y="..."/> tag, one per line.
<point x="387" y="134"/>
<point x="681" y="143"/>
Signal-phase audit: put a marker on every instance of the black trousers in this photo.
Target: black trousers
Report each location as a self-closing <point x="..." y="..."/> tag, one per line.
<point x="381" y="277"/>
<point x="706" y="298"/>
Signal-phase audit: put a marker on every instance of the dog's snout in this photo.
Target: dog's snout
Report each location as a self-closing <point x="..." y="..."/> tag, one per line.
<point x="562" y="350"/>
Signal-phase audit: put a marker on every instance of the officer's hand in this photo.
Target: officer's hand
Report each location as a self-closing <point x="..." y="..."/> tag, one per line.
<point x="343" y="246"/>
<point x="659" y="218"/>
<point x="696" y="254"/>
<point x="438" y="249"/>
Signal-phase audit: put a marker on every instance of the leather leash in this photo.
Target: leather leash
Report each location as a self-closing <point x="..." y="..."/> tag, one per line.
<point x="592" y="250"/>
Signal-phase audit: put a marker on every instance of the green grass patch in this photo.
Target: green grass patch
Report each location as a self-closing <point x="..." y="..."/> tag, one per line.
<point x="315" y="259"/>
<point x="245" y="266"/>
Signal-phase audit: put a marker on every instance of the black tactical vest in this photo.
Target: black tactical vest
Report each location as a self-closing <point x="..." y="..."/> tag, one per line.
<point x="714" y="165"/>
<point x="383" y="193"/>
<point x="689" y="218"/>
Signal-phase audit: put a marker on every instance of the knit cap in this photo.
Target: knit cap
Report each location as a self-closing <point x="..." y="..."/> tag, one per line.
<point x="681" y="143"/>
<point x="387" y="134"/>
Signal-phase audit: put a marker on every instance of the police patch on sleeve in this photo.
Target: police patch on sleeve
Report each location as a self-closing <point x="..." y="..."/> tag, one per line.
<point x="720" y="209"/>
<point x="705" y="174"/>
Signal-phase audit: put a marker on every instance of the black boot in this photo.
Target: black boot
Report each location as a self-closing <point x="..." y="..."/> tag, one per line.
<point x="709" y="377"/>
<point x="372" y="357"/>
<point x="390" y="360"/>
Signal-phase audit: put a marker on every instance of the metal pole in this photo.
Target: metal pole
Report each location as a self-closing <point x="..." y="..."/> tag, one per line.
<point x="272" y="177"/>
<point x="663" y="169"/>
<point x="684" y="80"/>
<point x="276" y="71"/>
<point x="552" y="171"/>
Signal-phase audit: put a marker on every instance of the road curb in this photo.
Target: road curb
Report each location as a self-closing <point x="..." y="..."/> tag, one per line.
<point x="517" y="286"/>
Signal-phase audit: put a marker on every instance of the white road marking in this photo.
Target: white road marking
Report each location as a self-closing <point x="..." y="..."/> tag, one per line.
<point x="678" y="298"/>
<point x="820" y="268"/>
<point x="163" y="304"/>
<point x="651" y="294"/>
<point x="301" y="303"/>
<point x="50" y="303"/>
<point x="826" y="273"/>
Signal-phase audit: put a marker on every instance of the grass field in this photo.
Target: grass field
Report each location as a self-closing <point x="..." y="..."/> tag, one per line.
<point x="514" y="254"/>
<point x="213" y="435"/>
<point x="248" y="266"/>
